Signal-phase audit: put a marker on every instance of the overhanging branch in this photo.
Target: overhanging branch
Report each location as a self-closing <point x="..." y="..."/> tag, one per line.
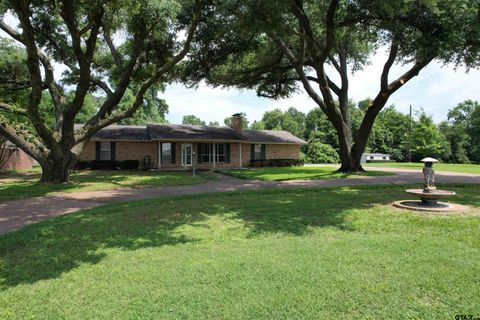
<point x="12" y="109"/>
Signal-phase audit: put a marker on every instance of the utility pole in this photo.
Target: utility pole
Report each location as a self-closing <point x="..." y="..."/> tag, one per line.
<point x="410" y="137"/>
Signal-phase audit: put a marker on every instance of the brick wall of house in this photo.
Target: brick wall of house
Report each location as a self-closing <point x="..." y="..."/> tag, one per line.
<point x="126" y="150"/>
<point x="282" y="151"/>
<point x="88" y="153"/>
<point x="136" y="150"/>
<point x="19" y="160"/>
<point x="273" y="151"/>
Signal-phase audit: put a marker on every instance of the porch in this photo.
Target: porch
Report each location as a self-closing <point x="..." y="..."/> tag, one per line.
<point x="202" y="155"/>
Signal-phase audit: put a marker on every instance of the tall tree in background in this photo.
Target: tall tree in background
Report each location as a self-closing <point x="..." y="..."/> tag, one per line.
<point x="427" y="140"/>
<point x="465" y="119"/>
<point x="291" y="120"/>
<point x="193" y="120"/>
<point x="153" y="109"/>
<point x="274" y="46"/>
<point x="80" y="36"/>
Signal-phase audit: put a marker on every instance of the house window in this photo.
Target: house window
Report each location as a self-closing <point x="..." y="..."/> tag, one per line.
<point x="371" y="158"/>
<point x="206" y="152"/>
<point x="257" y="152"/>
<point x="221" y="152"/>
<point x="166" y="153"/>
<point x="105" y="150"/>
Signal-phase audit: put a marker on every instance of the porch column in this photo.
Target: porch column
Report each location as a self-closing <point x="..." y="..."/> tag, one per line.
<point x="214" y="154"/>
<point x="240" y="153"/>
<point x="159" y="155"/>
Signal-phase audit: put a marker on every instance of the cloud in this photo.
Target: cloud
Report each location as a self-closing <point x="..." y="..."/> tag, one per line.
<point x="436" y="89"/>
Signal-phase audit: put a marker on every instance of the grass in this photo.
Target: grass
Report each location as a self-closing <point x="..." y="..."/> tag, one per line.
<point x="447" y="167"/>
<point x="277" y="254"/>
<point x="24" y="184"/>
<point x="297" y="173"/>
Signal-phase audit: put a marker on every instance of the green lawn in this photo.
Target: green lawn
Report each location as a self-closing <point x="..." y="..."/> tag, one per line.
<point x="448" y="167"/>
<point x="296" y="173"/>
<point x="17" y="185"/>
<point x="337" y="253"/>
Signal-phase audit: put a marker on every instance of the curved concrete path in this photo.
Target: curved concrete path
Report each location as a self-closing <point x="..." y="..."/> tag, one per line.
<point x="19" y="213"/>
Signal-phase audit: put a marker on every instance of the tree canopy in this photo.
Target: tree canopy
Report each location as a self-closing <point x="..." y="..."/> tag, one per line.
<point x="193" y="120"/>
<point x="277" y="47"/>
<point x="118" y="49"/>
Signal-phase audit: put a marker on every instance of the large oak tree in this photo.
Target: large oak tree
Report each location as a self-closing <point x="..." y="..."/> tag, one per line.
<point x="276" y="47"/>
<point x="107" y="47"/>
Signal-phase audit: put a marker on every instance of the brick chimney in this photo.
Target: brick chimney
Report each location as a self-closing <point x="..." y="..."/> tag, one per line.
<point x="237" y="122"/>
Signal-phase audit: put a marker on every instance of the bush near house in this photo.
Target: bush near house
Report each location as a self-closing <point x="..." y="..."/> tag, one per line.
<point x="277" y="163"/>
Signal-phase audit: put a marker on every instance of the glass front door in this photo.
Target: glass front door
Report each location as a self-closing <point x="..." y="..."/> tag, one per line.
<point x="187" y="151"/>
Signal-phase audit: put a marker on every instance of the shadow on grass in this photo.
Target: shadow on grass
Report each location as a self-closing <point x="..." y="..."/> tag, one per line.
<point x="51" y="248"/>
<point x="95" y="180"/>
<point x="297" y="173"/>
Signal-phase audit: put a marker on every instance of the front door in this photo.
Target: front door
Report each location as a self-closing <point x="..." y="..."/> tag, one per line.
<point x="187" y="151"/>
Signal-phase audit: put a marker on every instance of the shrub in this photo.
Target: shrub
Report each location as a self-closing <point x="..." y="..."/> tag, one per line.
<point x="318" y="152"/>
<point x="130" y="165"/>
<point x="104" y="165"/>
<point x="82" y="165"/>
<point x="276" y="163"/>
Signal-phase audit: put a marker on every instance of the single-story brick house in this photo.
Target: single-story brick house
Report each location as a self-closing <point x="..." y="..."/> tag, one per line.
<point x="170" y="146"/>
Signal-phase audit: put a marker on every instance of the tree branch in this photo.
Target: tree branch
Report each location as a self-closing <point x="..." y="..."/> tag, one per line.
<point x="330" y="23"/>
<point x="388" y="65"/>
<point x="12" y="109"/>
<point x="108" y="40"/>
<point x="299" y="68"/>
<point x="12" y="135"/>
<point x="33" y="63"/>
<point x="99" y="121"/>
<point x="11" y="32"/>
<point x="102" y="85"/>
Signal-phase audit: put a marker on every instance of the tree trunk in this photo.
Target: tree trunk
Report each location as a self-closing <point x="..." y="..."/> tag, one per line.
<point x="58" y="170"/>
<point x="350" y="160"/>
<point x="350" y="155"/>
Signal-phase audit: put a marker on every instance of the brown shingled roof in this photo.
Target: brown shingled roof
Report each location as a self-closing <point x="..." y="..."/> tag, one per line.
<point x="191" y="133"/>
<point x="272" y="136"/>
<point x="120" y="132"/>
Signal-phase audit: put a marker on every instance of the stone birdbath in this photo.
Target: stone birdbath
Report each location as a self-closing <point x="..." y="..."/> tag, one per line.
<point x="429" y="195"/>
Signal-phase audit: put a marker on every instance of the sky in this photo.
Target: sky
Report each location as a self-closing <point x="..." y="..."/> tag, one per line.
<point x="436" y="89"/>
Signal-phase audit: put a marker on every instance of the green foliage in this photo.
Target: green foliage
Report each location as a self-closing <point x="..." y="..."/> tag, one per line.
<point x="193" y="120"/>
<point x="318" y="152"/>
<point x="152" y="111"/>
<point x="317" y="124"/>
<point x="390" y="134"/>
<point x="277" y="47"/>
<point x="291" y="120"/>
<point x="457" y="138"/>
<point x="257" y="125"/>
<point x="427" y="140"/>
<point x="463" y="129"/>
